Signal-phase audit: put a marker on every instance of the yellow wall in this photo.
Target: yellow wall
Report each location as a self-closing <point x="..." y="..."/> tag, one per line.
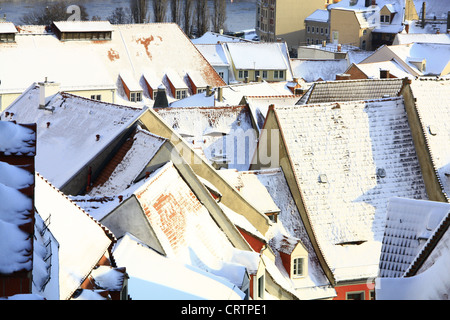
<point x="348" y="28"/>
<point x="107" y="95"/>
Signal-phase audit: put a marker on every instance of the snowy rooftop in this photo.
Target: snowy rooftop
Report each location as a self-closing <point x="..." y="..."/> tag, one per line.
<point x="7" y="27"/>
<point x="405" y="38"/>
<point x="67" y="129"/>
<point x="215" y="131"/>
<point x="417" y="232"/>
<point x="260" y="56"/>
<point x="319" y="15"/>
<point x="186" y="230"/>
<point x="409" y="225"/>
<point x="318" y="70"/>
<point x="436" y="56"/>
<point x="134" y="48"/>
<point x="214" y="53"/>
<point x="316" y="284"/>
<point x="83" y="26"/>
<point x="143" y="148"/>
<point x="168" y="279"/>
<point x="433" y="107"/>
<point x="351" y="90"/>
<point x="347" y="168"/>
<point x="16" y="205"/>
<point x="372" y="70"/>
<point x="82" y="241"/>
<point x="213" y="38"/>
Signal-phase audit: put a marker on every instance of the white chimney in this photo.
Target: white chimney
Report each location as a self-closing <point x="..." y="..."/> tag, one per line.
<point x="46" y="90"/>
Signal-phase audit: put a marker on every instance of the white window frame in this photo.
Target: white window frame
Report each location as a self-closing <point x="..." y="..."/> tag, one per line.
<point x="295" y="272"/>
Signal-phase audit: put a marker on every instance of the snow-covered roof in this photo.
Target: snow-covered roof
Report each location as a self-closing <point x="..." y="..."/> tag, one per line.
<point x="259" y="56"/>
<point x="215" y="131"/>
<point x="320" y="15"/>
<point x="348" y="159"/>
<point x="143" y="148"/>
<point x="186" y="230"/>
<point x="313" y="70"/>
<point x="248" y="184"/>
<point x="259" y="105"/>
<point x="405" y="38"/>
<point x="214" y="53"/>
<point x="16" y="205"/>
<point x="213" y="38"/>
<point x="135" y="48"/>
<point x="416" y="232"/>
<point x="7" y="27"/>
<point x="351" y="90"/>
<point x="82" y="240"/>
<point x="434" y="8"/>
<point x="372" y="70"/>
<point x="67" y="130"/>
<point x="83" y="26"/>
<point x="433" y="106"/>
<point x="409" y="225"/>
<point x="155" y="277"/>
<point x="433" y="53"/>
<point x="315" y="285"/>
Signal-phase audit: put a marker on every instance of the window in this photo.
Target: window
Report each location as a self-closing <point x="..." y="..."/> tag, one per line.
<point x="308" y="29"/>
<point x="245" y="73"/>
<point x="7" y="37"/>
<point x="181" y="94"/>
<point x="135" y="96"/>
<point x="298" y="267"/>
<point x="221" y="74"/>
<point x="321" y="30"/>
<point x="257" y="73"/>
<point x="261" y="287"/>
<point x="355" y="295"/>
<point x="264" y="74"/>
<point x="96" y="97"/>
<point x="317" y="30"/>
<point x="241" y="74"/>
<point x="278" y="74"/>
<point x="384" y="18"/>
<point x="326" y="31"/>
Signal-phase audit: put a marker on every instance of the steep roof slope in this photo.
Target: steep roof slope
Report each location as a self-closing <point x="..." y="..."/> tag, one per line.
<point x="82" y="240"/>
<point x="410" y="223"/>
<point x="348" y="159"/>
<point x="67" y="130"/>
<point x="433" y="107"/>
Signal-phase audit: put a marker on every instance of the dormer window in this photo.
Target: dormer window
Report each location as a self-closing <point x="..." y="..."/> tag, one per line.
<point x="298" y="267"/>
<point x="83" y="30"/>
<point x="7" y="32"/>
<point x="385" y="19"/>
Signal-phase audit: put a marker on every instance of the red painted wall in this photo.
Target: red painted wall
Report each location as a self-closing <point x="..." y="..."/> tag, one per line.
<point x="255" y="243"/>
<point x="366" y="287"/>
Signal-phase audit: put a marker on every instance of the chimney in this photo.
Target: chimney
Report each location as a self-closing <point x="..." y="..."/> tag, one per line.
<point x="343" y="76"/>
<point x="384" y="74"/>
<point x="46" y="90"/>
<point x="220" y="94"/>
<point x="423" y="14"/>
<point x="208" y="91"/>
<point x="339" y="47"/>
<point x="407" y="28"/>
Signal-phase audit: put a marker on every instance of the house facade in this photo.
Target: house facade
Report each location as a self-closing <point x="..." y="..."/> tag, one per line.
<point x="285" y="20"/>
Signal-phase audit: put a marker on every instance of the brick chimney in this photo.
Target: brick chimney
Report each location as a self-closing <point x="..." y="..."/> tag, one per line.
<point x="384" y="74"/>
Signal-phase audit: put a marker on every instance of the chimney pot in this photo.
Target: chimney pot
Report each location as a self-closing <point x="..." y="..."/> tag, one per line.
<point x="97" y="137"/>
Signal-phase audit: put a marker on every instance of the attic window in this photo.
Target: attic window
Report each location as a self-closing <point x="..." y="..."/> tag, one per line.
<point x="7" y="37"/>
<point x="298" y="267"/>
<point x="381" y="173"/>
